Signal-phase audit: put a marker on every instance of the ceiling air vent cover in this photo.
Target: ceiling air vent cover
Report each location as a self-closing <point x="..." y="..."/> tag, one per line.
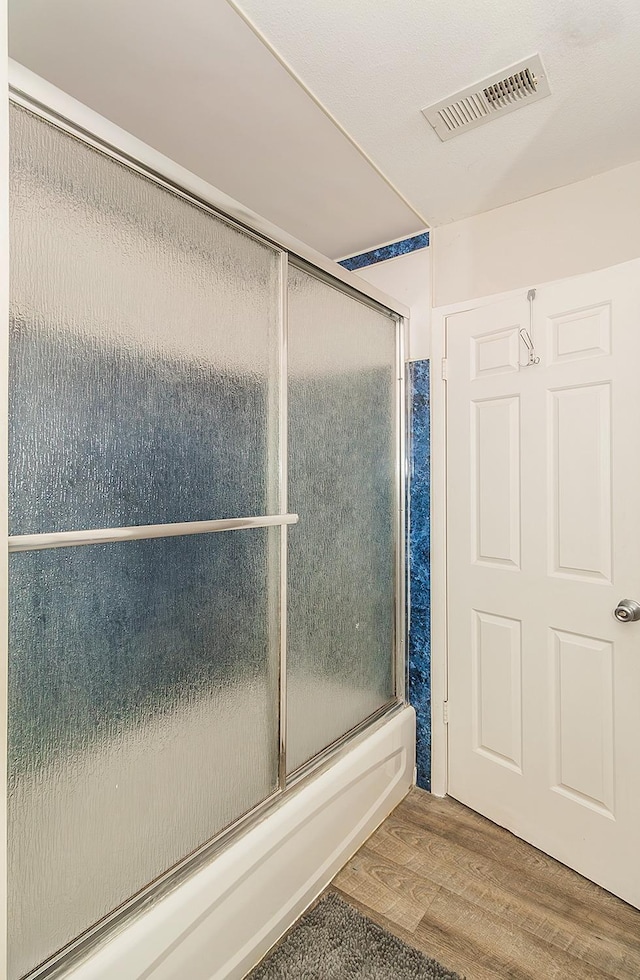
<point x="503" y="92"/>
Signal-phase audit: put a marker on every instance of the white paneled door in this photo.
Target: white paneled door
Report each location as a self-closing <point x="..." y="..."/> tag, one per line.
<point x="543" y="477"/>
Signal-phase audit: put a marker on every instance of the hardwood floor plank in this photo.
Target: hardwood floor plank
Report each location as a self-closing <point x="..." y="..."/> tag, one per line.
<point x="477" y="834"/>
<point x="447" y="914"/>
<point x="566" y="924"/>
<point x="394" y="905"/>
<point x="466" y="957"/>
<point x="485" y="903"/>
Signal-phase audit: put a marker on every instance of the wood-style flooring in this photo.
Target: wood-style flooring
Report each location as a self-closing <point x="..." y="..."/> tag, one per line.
<point x="484" y="903"/>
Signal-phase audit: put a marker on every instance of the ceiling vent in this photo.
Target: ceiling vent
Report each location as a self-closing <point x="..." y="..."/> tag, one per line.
<point x="503" y="92"/>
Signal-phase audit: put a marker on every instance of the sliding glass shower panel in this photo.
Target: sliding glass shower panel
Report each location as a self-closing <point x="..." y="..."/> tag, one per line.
<point x="342" y="411"/>
<point x="144" y="347"/>
<point x="144" y="675"/>
<point x="143" y="718"/>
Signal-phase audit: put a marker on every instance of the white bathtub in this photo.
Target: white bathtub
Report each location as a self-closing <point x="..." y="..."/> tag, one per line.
<point x="222" y="920"/>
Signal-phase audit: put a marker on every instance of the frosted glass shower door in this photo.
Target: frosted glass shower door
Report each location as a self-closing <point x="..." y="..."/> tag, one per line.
<point x="144" y="674"/>
<point x="164" y="392"/>
<point x="342" y="467"/>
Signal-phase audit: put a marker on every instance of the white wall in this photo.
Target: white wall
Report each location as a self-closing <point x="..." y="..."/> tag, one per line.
<point x="585" y="226"/>
<point x="408" y="278"/>
<point x="4" y="321"/>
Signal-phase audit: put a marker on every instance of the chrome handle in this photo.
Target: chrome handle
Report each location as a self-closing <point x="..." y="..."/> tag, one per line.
<point x="627" y="611"/>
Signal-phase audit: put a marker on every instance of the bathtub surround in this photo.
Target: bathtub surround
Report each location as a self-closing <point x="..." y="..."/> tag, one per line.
<point x="384" y="252"/>
<point x="419" y="591"/>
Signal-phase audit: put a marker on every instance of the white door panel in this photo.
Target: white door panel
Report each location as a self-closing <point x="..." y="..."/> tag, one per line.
<point x="543" y="540"/>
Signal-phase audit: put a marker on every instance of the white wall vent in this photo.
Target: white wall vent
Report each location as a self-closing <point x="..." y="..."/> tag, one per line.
<point x="503" y="92"/>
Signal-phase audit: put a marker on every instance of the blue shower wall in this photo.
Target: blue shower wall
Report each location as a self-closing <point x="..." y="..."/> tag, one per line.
<point x="419" y="612"/>
<point x="392" y="251"/>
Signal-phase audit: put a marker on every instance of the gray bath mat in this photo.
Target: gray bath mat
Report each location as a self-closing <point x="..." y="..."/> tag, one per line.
<point x="334" y="942"/>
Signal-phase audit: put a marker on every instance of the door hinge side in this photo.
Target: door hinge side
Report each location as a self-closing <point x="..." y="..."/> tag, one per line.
<point x="445" y="712"/>
<point x="444" y="369"/>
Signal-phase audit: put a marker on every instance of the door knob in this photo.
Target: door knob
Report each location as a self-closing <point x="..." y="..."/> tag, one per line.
<point x="627" y="611"/>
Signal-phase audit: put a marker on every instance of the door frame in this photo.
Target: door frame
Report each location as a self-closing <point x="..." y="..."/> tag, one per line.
<point x="439" y="564"/>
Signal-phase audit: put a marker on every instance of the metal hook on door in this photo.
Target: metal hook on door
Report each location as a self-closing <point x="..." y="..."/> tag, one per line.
<point x="527" y="334"/>
<point x="533" y="357"/>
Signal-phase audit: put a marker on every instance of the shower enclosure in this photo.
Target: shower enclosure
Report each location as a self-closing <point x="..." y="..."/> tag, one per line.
<point x="206" y="596"/>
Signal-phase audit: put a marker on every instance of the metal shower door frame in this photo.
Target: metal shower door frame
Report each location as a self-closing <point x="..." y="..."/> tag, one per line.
<point x="43" y="99"/>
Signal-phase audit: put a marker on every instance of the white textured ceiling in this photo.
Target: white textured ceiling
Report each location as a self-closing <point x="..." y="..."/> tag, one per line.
<point x="193" y="80"/>
<point x="375" y="63"/>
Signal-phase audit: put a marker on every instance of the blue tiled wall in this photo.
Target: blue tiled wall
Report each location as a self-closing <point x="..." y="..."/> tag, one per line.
<point x="355" y="262"/>
<point x="419" y="583"/>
